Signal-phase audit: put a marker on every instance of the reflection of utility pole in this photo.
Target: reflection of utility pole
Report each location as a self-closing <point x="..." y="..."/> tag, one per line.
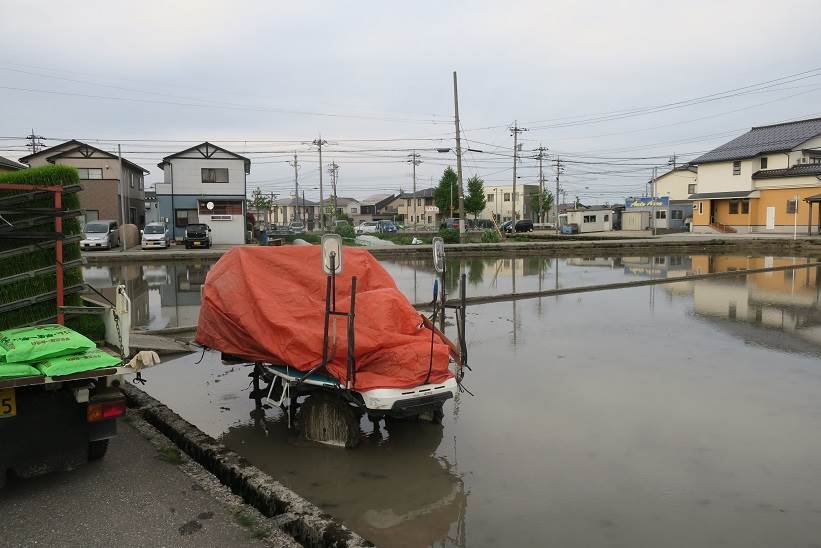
<point x="515" y="131"/>
<point x="318" y="143"/>
<point x="295" y="163"/>
<point x="415" y="161"/>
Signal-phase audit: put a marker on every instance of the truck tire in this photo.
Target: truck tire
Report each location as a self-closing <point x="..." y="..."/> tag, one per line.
<point x="97" y="449"/>
<point x="329" y="420"/>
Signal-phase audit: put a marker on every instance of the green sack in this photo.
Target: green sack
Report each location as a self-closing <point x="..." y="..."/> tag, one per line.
<point x="77" y="363"/>
<point x="29" y="344"/>
<point x="13" y="370"/>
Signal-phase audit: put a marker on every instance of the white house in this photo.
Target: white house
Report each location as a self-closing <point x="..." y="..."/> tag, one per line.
<point x="499" y="202"/>
<point x="592" y="219"/>
<point x="205" y="184"/>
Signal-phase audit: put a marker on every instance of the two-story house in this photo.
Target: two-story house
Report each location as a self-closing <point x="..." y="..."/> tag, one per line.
<point x="415" y="208"/>
<point x="99" y="170"/>
<point x="347" y="207"/>
<point x="205" y="184"/>
<point x="290" y="210"/>
<point x="759" y="182"/>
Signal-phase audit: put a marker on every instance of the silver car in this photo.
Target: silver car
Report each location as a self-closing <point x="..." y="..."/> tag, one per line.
<point x="155" y="235"/>
<point x="100" y="235"/>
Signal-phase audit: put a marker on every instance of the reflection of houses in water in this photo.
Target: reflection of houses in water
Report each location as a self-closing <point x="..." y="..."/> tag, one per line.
<point x="395" y="491"/>
<point x="604" y="262"/>
<point x="105" y="278"/>
<point x="180" y="296"/>
<point x="787" y="300"/>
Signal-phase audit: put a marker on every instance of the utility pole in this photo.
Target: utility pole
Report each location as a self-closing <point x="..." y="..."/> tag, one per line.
<point x="318" y="143"/>
<point x="459" y="161"/>
<point x="34" y="142"/>
<point x="122" y="197"/>
<point x="415" y="161"/>
<point x="541" y="156"/>
<point x="333" y="169"/>
<point x="673" y="159"/>
<point x="295" y="163"/>
<point x="515" y="131"/>
<point x="559" y="170"/>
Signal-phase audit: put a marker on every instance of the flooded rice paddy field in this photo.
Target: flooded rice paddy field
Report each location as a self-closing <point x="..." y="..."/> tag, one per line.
<point x="678" y="415"/>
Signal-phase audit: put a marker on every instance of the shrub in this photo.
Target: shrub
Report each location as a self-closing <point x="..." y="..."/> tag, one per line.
<point x="449" y="235"/>
<point x="345" y="230"/>
<point x="490" y="237"/>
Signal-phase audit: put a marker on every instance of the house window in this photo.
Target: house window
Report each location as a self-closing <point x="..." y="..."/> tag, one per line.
<point x="429" y="221"/>
<point x="141" y="182"/>
<point x="676" y="214"/>
<point x="88" y="173"/>
<point x="409" y="202"/>
<point x="490" y="197"/>
<point x="131" y="180"/>
<point x="606" y="218"/>
<point x="763" y="162"/>
<point x="507" y="196"/>
<point x="691" y="188"/>
<point x="792" y="205"/>
<point x="733" y="207"/>
<point x="701" y="208"/>
<point x="737" y="167"/>
<point x="589" y="219"/>
<point x="661" y="214"/>
<point x="419" y="201"/>
<point x="353" y="211"/>
<point x="745" y="206"/>
<point x="214" y="174"/>
<point x="220" y="208"/>
<point x="184" y="216"/>
<point x="659" y="260"/>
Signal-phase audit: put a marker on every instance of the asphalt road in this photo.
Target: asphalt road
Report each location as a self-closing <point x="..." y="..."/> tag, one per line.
<point x="130" y="498"/>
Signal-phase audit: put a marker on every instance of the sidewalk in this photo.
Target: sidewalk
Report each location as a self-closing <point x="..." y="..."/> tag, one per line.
<point x="136" y="496"/>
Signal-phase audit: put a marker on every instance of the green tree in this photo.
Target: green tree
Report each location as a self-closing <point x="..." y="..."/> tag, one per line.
<point x="578" y="203"/>
<point x="542" y="203"/>
<point x="475" y="201"/>
<point x="259" y="201"/>
<point x="447" y="193"/>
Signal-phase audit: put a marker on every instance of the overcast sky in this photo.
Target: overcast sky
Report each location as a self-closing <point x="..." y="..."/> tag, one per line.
<point x="149" y="73"/>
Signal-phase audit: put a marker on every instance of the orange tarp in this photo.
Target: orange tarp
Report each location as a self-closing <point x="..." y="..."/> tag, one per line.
<point x="268" y="304"/>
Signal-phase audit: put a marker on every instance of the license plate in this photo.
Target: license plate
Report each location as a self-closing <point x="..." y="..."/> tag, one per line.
<point x="8" y="403"/>
<point x="196" y="244"/>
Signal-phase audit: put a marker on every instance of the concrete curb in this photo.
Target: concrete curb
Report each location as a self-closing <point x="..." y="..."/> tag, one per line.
<point x="299" y="518"/>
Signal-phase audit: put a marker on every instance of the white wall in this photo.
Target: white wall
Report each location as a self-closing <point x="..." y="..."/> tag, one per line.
<point x="225" y="232"/>
<point x="187" y="175"/>
<point x="674" y="184"/>
<point x="600" y="225"/>
<point x="718" y="176"/>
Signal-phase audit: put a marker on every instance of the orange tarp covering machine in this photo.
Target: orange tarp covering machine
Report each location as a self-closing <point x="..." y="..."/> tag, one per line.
<point x="267" y="304"/>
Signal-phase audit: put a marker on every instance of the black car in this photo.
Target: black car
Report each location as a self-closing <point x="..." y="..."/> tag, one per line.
<point x="197" y="235"/>
<point x="524" y="225"/>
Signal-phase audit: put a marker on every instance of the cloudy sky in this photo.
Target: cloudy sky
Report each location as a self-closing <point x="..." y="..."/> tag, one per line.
<point x="611" y="87"/>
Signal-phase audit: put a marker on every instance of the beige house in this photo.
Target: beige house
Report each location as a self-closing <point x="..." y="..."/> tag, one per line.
<point x="416" y="208"/>
<point x="760" y="181"/>
<point x="500" y="202"/>
<point x="101" y="179"/>
<point x="290" y="210"/>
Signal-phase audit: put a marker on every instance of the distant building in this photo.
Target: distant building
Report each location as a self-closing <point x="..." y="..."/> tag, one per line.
<point x="289" y="210"/>
<point x="375" y="207"/>
<point x="588" y="218"/>
<point x="152" y="208"/>
<point x="100" y="176"/>
<point x="9" y="165"/>
<point x="662" y="213"/>
<point x="347" y="207"/>
<point x="205" y="184"/>
<point x="499" y="202"/>
<point x="760" y="181"/>
<point x="416" y="208"/>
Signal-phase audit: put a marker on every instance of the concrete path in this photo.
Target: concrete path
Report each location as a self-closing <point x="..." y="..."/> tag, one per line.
<point x="133" y="497"/>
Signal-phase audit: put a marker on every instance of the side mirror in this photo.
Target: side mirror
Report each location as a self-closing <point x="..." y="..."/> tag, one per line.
<point x="142" y="232"/>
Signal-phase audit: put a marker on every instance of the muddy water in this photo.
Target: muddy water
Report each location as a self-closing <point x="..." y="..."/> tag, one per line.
<point x="680" y="415"/>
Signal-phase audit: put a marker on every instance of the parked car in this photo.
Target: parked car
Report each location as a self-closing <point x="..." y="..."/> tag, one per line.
<point x="480" y="224"/>
<point x="523" y="225"/>
<point x="367" y="227"/>
<point x="197" y="235"/>
<point x="155" y="235"/>
<point x="450" y="222"/>
<point x="296" y="227"/>
<point x="100" y="235"/>
<point x="387" y="226"/>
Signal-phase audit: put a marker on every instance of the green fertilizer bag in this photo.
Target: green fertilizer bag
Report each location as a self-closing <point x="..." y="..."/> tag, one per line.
<point x="77" y="363"/>
<point x="29" y="344"/>
<point x="14" y="370"/>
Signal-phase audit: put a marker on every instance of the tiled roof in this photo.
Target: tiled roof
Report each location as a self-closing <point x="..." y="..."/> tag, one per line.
<point x="10" y="163"/>
<point x="424" y="193"/>
<point x="760" y="140"/>
<point x="800" y="170"/>
<point x="722" y="195"/>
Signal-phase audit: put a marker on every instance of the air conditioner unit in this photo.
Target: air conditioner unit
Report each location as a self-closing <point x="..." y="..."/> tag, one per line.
<point x="221" y="217"/>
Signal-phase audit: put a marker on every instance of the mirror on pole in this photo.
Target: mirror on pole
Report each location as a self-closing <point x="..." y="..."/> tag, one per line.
<point x="331" y="253"/>
<point x="439" y="254"/>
